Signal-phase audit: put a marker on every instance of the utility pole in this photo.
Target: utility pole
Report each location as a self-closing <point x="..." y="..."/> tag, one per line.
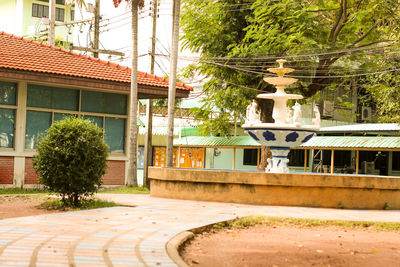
<point x="96" y="39"/>
<point x="149" y="107"/>
<point x="52" y="22"/>
<point x="132" y="162"/>
<point x="172" y="80"/>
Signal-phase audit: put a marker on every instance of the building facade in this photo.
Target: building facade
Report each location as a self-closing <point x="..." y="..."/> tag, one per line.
<point x="27" y="18"/>
<point x="40" y="84"/>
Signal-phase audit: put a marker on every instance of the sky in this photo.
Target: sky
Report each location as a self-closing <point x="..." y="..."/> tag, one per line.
<point x="115" y="34"/>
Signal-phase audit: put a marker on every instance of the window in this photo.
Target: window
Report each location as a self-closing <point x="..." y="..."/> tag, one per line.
<point x="52" y="97"/>
<point x="250" y="156"/>
<point x="42" y="11"/>
<point x="99" y="102"/>
<point x="60" y="14"/>
<point x="7" y="121"/>
<point x="58" y="2"/>
<point x="296" y="157"/>
<point x="72" y="14"/>
<point x="115" y="134"/>
<point x="8" y="100"/>
<point x="98" y="121"/>
<point x="48" y="104"/>
<point x="396" y="161"/>
<point x="37" y="123"/>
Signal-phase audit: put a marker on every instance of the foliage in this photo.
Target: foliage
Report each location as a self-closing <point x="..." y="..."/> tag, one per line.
<point x="127" y="190"/>
<point x="276" y="221"/>
<point x="239" y="40"/>
<point x="384" y="88"/>
<point x="86" y="204"/>
<point x="19" y="191"/>
<point x="71" y="159"/>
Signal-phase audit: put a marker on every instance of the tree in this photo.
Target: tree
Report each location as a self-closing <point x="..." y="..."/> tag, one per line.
<point x="132" y="165"/>
<point x="238" y="40"/>
<point x="384" y="88"/>
<point x="234" y="38"/>
<point x="72" y="159"/>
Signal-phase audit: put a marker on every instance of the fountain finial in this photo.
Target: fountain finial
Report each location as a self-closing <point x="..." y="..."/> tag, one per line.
<point x="281" y="62"/>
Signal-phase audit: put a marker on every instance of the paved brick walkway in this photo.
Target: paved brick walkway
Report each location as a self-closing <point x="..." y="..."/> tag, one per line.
<point x="133" y="236"/>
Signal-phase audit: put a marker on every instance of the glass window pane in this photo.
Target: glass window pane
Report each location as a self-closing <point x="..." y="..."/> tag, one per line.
<point x="115" y="134"/>
<point x="7" y="120"/>
<point x="46" y="11"/>
<point x="52" y="97"/>
<point x="61" y="116"/>
<point x="95" y="120"/>
<point x="8" y="93"/>
<point x="40" y="11"/>
<point x="34" y="10"/>
<point x="104" y="102"/>
<point x="36" y="123"/>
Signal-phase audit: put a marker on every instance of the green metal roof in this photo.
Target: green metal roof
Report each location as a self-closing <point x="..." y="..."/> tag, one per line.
<point x="354" y="142"/>
<point x="213" y="141"/>
<point x="363" y="127"/>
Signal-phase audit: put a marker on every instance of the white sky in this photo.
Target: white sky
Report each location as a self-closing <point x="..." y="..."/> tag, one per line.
<point x="115" y="34"/>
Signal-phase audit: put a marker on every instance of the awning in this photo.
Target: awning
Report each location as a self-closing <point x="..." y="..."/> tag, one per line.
<point x="213" y="141"/>
<point x="381" y="143"/>
<point x="362" y="127"/>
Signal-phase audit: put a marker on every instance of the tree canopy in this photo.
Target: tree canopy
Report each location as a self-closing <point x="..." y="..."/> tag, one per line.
<point x="324" y="40"/>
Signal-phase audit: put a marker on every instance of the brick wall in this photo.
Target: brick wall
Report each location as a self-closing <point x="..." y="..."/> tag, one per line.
<point x="115" y="174"/>
<point x="6" y="170"/>
<point x="30" y="174"/>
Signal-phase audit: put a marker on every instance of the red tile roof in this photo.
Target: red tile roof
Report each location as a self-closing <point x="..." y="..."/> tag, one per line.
<point x="19" y="53"/>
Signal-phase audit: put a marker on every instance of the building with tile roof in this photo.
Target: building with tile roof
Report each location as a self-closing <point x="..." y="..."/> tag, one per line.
<point x="40" y="84"/>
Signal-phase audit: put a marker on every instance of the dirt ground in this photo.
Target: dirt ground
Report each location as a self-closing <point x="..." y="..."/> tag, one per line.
<point x="22" y="205"/>
<point x="294" y="246"/>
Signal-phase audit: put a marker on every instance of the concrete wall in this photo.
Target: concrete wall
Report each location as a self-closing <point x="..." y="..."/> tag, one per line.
<point x="288" y="189"/>
<point x="8" y="18"/>
<point x="16" y="18"/>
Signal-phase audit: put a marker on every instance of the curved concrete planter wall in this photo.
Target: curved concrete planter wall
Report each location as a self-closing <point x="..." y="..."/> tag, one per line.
<point x="287" y="189"/>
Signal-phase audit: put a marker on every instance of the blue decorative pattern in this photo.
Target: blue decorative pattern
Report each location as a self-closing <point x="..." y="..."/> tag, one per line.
<point x="253" y="136"/>
<point x="308" y="137"/>
<point x="292" y="137"/>
<point x="269" y="136"/>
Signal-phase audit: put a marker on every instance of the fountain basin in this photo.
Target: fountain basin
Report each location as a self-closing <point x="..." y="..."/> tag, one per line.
<point x="284" y="135"/>
<point x="279" y="138"/>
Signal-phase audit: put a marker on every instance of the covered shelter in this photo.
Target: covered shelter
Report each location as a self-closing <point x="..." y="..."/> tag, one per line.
<point x="356" y="154"/>
<point x="40" y="84"/>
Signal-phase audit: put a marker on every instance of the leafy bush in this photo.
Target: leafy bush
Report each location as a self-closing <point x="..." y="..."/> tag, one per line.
<point x="71" y="159"/>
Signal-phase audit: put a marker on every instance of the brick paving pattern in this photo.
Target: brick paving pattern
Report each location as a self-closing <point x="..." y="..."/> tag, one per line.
<point x="133" y="236"/>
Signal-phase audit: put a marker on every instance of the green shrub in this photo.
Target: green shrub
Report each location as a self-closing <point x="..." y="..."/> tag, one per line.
<point x="71" y="159"/>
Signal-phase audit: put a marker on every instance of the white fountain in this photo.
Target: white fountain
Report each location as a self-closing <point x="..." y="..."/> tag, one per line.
<point x="288" y="130"/>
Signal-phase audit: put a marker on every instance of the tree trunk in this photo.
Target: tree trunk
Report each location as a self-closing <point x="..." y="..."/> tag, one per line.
<point x="172" y="80"/>
<point x="266" y="107"/>
<point x="132" y="146"/>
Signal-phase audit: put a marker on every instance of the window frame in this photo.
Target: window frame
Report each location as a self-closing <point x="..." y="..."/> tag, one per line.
<point x="42" y="11"/>
<point x="81" y="114"/>
<point x="11" y="107"/>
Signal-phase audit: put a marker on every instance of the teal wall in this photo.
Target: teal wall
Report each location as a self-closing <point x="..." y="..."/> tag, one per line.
<point x="239" y="161"/>
<point x="223" y="161"/>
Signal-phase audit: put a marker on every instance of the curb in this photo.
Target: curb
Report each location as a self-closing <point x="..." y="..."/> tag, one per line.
<point x="174" y="244"/>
